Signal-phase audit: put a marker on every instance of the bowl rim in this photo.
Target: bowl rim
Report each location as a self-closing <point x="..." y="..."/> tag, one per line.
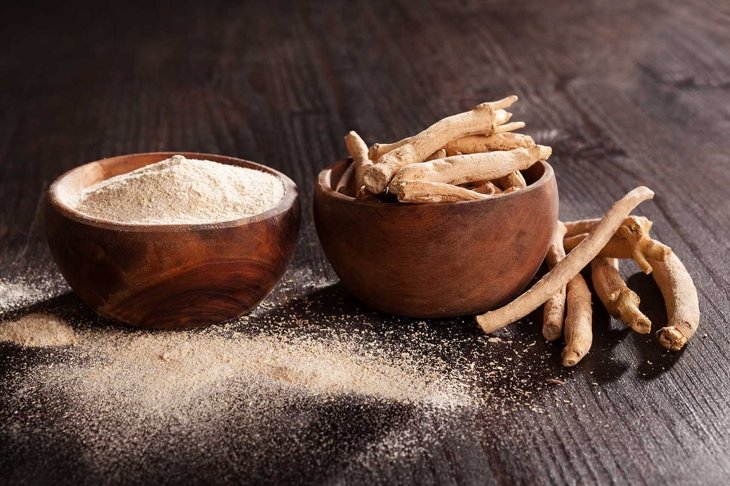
<point x="291" y="194"/>
<point x="548" y="173"/>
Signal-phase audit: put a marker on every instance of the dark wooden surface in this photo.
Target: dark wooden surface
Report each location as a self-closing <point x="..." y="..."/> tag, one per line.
<point x="627" y="93"/>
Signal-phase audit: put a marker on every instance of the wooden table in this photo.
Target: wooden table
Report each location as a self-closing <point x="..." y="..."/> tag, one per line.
<point x="626" y="93"/>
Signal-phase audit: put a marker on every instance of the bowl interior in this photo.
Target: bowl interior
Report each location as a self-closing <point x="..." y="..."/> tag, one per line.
<point x="62" y="192"/>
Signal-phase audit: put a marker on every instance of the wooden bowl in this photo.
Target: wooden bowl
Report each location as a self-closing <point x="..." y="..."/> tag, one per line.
<point x="437" y="260"/>
<point x="169" y="276"/>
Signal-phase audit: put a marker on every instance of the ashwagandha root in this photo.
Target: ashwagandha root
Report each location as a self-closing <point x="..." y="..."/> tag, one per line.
<point x="553" y="314"/>
<point x="344" y="183"/>
<point x="474" y="144"/>
<point x="568" y="268"/>
<point x="359" y="153"/>
<point x="460" y="169"/>
<point x="479" y="120"/>
<point x="586" y="225"/>
<point x="434" y="192"/>
<point x="511" y="182"/>
<point x="637" y="246"/>
<point x="578" y="329"/>
<point x="486" y="187"/>
<point x="507" y="127"/>
<point x="499" y="126"/>
<point x="439" y="154"/>
<point x="618" y="299"/>
<point x="680" y="299"/>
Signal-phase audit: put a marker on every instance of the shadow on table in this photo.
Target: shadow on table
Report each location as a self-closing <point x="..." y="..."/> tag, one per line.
<point x="655" y="359"/>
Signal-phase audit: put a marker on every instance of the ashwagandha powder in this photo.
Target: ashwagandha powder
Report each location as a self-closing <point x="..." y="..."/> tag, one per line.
<point x="37" y="330"/>
<point x="181" y="191"/>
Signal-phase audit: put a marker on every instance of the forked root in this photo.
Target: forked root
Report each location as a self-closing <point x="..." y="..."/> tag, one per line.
<point x="618" y="299"/>
<point x="568" y="268"/>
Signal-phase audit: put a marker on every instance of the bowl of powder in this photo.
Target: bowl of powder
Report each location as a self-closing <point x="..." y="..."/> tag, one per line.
<point x="172" y="240"/>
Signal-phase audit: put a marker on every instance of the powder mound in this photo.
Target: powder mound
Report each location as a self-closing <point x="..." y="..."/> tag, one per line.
<point x="181" y="191"/>
<point x="38" y="330"/>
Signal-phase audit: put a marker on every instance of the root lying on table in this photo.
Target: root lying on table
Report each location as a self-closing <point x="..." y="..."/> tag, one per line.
<point x="554" y="308"/>
<point x="618" y="299"/>
<point x="680" y="299"/>
<point x="568" y="268"/>
<point x="578" y="329"/>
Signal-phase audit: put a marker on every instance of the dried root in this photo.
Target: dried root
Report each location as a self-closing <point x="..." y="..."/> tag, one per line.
<point x="433" y="192"/>
<point x="568" y="268"/>
<point x="554" y="309"/>
<point x="460" y="169"/>
<point x="680" y="299"/>
<point x="487" y="187"/>
<point x="359" y="153"/>
<point x="628" y="244"/>
<point x="511" y="182"/>
<point x="482" y="119"/>
<point x="578" y="331"/>
<point x="475" y="144"/>
<point x="439" y="154"/>
<point x="619" y="300"/>
<point x="586" y="225"/>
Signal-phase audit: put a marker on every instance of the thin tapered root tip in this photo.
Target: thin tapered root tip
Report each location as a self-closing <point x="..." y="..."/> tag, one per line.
<point x="505" y="102"/>
<point x="670" y="338"/>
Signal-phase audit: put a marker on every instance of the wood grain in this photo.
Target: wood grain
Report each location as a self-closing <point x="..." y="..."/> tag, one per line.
<point x="626" y="93"/>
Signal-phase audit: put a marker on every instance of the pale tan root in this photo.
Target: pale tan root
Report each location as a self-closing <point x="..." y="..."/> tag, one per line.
<point x="508" y="127"/>
<point x="475" y="144"/>
<point x="377" y="150"/>
<point x="434" y="192"/>
<point x="618" y="299"/>
<point x="511" y="182"/>
<point x="568" y="268"/>
<point x="439" y="154"/>
<point x="359" y="153"/>
<point x="680" y="299"/>
<point x="346" y="180"/>
<point x="485" y="188"/>
<point x="554" y="309"/>
<point x="638" y="247"/>
<point x="460" y="169"/>
<point x="586" y="225"/>
<point x="479" y="120"/>
<point x="578" y="329"/>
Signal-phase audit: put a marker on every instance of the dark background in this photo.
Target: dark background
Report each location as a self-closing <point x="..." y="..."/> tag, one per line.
<point x="626" y="93"/>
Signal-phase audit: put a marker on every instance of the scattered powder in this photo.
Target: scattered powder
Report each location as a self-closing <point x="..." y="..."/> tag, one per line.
<point x="306" y="382"/>
<point x="19" y="292"/>
<point x="181" y="191"/>
<point x="38" y="330"/>
<point x="162" y="372"/>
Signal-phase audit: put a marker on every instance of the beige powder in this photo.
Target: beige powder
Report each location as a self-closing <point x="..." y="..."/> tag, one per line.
<point x="181" y="191"/>
<point x="159" y="373"/>
<point x="38" y="330"/>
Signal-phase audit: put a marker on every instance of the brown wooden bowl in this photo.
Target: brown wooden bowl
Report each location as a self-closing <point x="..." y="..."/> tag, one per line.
<point x="437" y="260"/>
<point x="169" y="276"/>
